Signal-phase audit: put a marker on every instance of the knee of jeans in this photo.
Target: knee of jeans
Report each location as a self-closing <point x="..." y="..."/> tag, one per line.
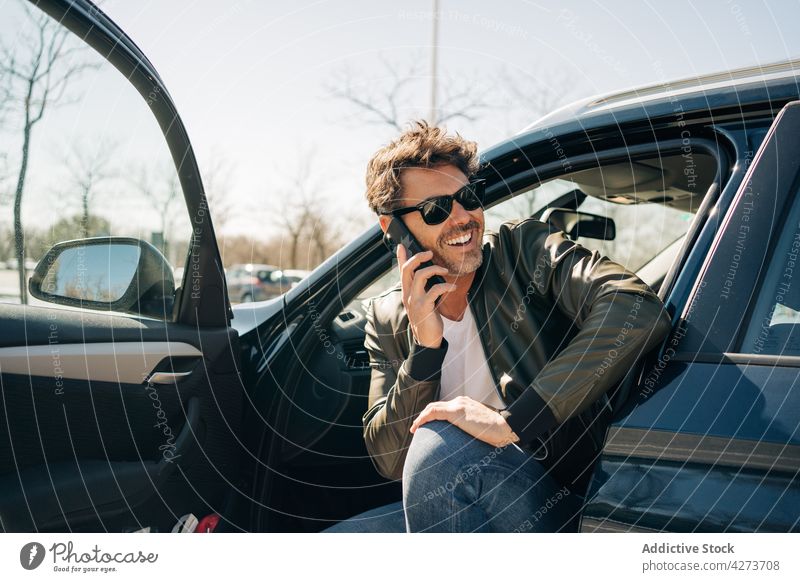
<point x="438" y="448"/>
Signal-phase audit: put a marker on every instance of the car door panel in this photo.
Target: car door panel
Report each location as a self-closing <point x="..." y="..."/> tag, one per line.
<point x="672" y="496"/>
<point x="78" y="444"/>
<point x="721" y="458"/>
<point x="123" y="362"/>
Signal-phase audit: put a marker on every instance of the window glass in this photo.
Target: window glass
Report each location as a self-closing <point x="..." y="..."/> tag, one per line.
<point x="774" y="325"/>
<point x="648" y="234"/>
<point x="83" y="157"/>
<point x="388" y="280"/>
<point x="643" y="231"/>
<point x="525" y="204"/>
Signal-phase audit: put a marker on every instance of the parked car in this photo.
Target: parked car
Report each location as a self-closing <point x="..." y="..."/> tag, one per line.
<point x="253" y="282"/>
<point x="13" y="264"/>
<point x="289" y="278"/>
<point x="260" y="404"/>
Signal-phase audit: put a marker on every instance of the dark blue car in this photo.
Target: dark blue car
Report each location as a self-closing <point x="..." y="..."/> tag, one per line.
<point x="130" y="399"/>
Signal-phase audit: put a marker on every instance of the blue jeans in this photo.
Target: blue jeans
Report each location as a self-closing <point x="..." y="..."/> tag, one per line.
<point x="386" y="519"/>
<point x="453" y="482"/>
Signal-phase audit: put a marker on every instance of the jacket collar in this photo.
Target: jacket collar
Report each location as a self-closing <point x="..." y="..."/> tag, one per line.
<point x="477" y="281"/>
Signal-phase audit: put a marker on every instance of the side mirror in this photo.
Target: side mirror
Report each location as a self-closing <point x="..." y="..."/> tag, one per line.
<point x="575" y="224"/>
<point x="107" y="273"/>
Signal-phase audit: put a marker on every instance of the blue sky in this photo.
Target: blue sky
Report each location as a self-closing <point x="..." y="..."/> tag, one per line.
<point x="251" y="78"/>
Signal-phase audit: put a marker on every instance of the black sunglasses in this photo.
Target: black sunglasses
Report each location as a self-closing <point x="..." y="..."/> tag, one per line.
<point x="436" y="210"/>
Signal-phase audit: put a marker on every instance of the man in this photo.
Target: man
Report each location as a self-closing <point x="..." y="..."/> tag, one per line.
<point x="490" y="404"/>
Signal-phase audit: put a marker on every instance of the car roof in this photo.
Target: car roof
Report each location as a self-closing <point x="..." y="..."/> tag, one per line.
<point x="763" y="77"/>
<point x="731" y="95"/>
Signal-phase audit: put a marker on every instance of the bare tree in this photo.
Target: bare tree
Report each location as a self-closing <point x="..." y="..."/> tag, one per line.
<point x="89" y="166"/>
<point x="161" y="189"/>
<point x="242" y="248"/>
<point x="40" y="67"/>
<point x="5" y="107"/>
<point x="389" y="102"/>
<point x="377" y="107"/>
<point x="301" y="208"/>
<point x="218" y="179"/>
<point x="528" y="97"/>
<point x="303" y="216"/>
<point x="5" y="180"/>
<point x="324" y="237"/>
<point x="535" y="92"/>
<point x="39" y="240"/>
<point x="294" y="219"/>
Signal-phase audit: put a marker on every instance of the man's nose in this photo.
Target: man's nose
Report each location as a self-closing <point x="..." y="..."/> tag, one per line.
<point x="458" y="214"/>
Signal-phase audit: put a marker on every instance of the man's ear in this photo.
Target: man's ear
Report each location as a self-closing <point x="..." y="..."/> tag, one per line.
<point x="384" y="221"/>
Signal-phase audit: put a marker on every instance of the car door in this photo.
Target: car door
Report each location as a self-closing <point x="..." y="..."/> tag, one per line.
<point x="112" y="417"/>
<point x="710" y="439"/>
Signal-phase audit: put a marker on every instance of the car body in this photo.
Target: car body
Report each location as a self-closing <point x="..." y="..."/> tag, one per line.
<point x="289" y="278"/>
<point x="266" y="398"/>
<point x="13" y="264"/>
<point x="294" y="276"/>
<point x="252" y="282"/>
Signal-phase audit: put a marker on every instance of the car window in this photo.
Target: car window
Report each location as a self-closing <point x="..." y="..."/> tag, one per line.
<point x="82" y="157"/>
<point x="526" y="203"/>
<point x="643" y="231"/>
<point x="385" y="282"/>
<point x="774" y="319"/>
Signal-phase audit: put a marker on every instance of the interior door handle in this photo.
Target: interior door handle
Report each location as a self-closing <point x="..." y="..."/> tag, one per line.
<point x="167" y="377"/>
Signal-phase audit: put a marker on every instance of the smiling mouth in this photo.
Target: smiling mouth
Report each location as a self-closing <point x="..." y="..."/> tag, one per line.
<point x="461" y="240"/>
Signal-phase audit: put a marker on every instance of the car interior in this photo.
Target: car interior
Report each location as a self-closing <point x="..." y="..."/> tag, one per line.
<point x="330" y="477"/>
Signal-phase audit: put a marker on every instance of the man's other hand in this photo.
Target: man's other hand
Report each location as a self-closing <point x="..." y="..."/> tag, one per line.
<point x="474" y="418"/>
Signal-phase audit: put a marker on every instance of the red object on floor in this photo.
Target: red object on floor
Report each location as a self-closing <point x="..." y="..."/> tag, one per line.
<point x="208" y="524"/>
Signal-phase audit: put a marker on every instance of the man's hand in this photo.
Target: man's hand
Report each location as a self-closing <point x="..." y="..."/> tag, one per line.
<point x="472" y="417"/>
<point x="425" y="322"/>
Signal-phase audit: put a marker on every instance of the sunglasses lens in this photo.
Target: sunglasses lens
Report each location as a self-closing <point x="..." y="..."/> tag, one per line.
<point x="471" y="196"/>
<point x="437" y="210"/>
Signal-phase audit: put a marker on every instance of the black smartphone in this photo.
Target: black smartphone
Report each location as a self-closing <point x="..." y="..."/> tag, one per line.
<point x="398" y="233"/>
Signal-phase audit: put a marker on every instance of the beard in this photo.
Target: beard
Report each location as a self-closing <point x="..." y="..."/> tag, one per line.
<point x="465" y="263"/>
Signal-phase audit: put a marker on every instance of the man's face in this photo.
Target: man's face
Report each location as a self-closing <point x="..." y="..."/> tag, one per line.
<point x="445" y="239"/>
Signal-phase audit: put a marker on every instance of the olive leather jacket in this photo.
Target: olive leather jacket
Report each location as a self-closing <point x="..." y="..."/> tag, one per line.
<point x="563" y="322"/>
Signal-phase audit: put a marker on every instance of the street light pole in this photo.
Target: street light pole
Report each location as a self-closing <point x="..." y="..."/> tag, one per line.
<point x="434" y="58"/>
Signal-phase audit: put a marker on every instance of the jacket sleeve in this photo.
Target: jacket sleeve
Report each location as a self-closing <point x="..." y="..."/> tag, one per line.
<point x="396" y="398"/>
<point x="618" y="316"/>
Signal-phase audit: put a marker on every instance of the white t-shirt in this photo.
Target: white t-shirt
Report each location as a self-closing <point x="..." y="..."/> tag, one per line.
<point x="465" y="371"/>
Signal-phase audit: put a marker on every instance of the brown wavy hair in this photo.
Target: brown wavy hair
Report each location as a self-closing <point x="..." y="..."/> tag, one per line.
<point x="420" y="146"/>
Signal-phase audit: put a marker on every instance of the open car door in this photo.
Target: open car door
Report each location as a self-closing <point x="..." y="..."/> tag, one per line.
<point x="120" y="398"/>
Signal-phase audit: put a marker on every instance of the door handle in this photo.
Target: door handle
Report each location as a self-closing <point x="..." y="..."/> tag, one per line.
<point x="167" y="377"/>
